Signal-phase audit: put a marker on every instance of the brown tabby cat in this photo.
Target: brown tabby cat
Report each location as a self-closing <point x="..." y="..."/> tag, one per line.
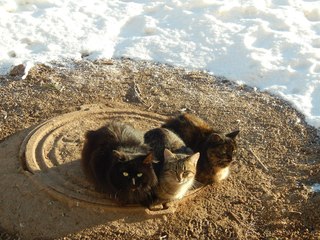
<point x="216" y="149"/>
<point x="177" y="176"/>
<point x="176" y="171"/>
<point x="116" y="160"/>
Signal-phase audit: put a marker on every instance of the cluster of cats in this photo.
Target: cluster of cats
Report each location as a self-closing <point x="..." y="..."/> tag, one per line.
<point x="160" y="165"/>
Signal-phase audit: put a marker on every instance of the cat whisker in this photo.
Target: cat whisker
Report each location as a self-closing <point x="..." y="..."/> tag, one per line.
<point x="116" y="195"/>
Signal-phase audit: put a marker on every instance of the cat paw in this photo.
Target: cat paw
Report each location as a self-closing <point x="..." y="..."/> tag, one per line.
<point x="156" y="207"/>
<point x="168" y="205"/>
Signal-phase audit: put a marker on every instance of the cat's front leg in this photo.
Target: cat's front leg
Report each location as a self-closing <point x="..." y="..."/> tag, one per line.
<point x="156" y="207"/>
<point x="161" y="205"/>
<point x="170" y="204"/>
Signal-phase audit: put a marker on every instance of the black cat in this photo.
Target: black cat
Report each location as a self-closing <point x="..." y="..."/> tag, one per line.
<point x="117" y="162"/>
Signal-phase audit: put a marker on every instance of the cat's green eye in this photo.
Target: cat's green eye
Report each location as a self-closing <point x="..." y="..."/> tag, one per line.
<point x="139" y="175"/>
<point x="125" y="174"/>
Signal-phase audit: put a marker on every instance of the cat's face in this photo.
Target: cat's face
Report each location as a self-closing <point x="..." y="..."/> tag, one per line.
<point x="180" y="168"/>
<point x="134" y="175"/>
<point x="221" y="149"/>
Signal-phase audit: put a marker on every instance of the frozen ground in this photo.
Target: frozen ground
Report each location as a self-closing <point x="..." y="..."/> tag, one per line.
<point x="270" y="44"/>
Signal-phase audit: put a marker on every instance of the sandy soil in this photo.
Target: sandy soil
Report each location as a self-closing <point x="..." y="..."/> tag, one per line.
<point x="267" y="195"/>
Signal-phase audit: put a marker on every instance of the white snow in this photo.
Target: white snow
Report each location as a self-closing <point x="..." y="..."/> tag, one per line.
<point x="270" y="44"/>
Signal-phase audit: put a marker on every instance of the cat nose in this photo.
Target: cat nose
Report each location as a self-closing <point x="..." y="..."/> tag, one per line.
<point x="134" y="181"/>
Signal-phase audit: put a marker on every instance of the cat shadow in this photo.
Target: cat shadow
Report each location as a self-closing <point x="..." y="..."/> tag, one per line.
<point x="67" y="183"/>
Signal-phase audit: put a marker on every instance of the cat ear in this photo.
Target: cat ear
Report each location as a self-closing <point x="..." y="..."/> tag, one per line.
<point x="233" y="134"/>
<point x="194" y="158"/>
<point x="148" y="159"/>
<point x="117" y="155"/>
<point x="215" y="137"/>
<point x="90" y="134"/>
<point x="168" y="155"/>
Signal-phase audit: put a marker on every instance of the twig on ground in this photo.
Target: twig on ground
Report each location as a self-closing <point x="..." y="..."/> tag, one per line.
<point x="258" y="159"/>
<point x="234" y="217"/>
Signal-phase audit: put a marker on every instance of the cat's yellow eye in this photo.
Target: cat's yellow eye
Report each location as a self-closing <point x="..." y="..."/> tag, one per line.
<point x="139" y="175"/>
<point x="125" y="174"/>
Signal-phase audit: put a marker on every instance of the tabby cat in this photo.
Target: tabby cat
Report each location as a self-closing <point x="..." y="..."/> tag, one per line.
<point x="117" y="162"/>
<point x="177" y="176"/>
<point x="177" y="164"/>
<point x="216" y="149"/>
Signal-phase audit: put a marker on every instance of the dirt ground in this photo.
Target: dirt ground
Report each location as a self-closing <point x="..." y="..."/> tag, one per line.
<point x="267" y="195"/>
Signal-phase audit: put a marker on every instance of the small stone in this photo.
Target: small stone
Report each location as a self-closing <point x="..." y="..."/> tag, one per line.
<point x="4" y="114"/>
<point x="17" y="71"/>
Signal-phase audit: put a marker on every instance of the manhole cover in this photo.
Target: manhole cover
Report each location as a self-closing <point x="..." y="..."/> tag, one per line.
<point x="51" y="152"/>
